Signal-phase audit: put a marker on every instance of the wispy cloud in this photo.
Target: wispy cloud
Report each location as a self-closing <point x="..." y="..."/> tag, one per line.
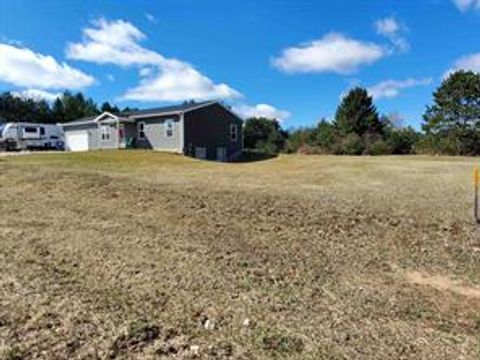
<point x="393" y="30"/>
<point x="118" y="42"/>
<point x="469" y="62"/>
<point x="466" y="5"/>
<point x="333" y="53"/>
<point x="150" y="17"/>
<point x="36" y="94"/>
<point x="392" y="88"/>
<point x="261" y="110"/>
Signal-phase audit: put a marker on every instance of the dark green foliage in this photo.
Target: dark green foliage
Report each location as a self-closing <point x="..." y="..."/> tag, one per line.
<point x="402" y="141"/>
<point x="15" y="109"/>
<point x="350" y="144"/>
<point x="325" y="134"/>
<point x="66" y="108"/>
<point x="264" y="134"/>
<point x="299" y="138"/>
<point x="106" y="107"/>
<point x="357" y="114"/>
<point x="452" y="123"/>
<point x="76" y="106"/>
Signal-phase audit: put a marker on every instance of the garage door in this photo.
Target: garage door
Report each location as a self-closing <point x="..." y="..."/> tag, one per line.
<point x="76" y="141"/>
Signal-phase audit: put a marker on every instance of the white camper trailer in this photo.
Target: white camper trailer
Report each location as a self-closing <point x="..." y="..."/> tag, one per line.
<point x="25" y="136"/>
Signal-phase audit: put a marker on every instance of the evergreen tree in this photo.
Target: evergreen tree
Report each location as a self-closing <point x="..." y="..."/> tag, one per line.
<point x="58" y="111"/>
<point x="452" y="123"/>
<point x="264" y="134"/>
<point x="357" y="114"/>
<point x="106" y="107"/>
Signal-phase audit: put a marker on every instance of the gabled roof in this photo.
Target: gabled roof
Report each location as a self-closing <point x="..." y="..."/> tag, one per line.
<point x="161" y="111"/>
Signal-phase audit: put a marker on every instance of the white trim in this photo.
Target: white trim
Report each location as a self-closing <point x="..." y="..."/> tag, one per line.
<point x="231" y="132"/>
<point x="168" y="122"/>
<point x="181" y="129"/>
<point x="107" y="133"/>
<point x="102" y="115"/>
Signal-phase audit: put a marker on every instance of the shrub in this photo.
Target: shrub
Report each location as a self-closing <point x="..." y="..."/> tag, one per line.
<point x="379" y="147"/>
<point x="351" y="144"/>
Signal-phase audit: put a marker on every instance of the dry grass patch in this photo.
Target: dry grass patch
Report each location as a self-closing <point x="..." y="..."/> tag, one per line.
<point x="146" y="255"/>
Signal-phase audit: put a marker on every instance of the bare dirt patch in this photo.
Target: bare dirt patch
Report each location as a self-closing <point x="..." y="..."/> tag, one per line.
<point x="443" y="283"/>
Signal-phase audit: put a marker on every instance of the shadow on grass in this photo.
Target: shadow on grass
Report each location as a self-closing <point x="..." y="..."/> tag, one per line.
<point x="254" y="156"/>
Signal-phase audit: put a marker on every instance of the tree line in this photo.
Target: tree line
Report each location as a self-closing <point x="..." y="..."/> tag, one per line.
<point x="451" y="126"/>
<point x="65" y="108"/>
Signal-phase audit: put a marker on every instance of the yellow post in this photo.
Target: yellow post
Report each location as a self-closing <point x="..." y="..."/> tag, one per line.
<point x="476" y="182"/>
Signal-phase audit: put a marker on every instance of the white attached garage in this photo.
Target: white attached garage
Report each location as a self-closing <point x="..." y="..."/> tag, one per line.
<point x="76" y="140"/>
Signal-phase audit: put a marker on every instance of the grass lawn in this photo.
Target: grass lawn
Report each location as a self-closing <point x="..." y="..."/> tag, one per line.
<point x="133" y="254"/>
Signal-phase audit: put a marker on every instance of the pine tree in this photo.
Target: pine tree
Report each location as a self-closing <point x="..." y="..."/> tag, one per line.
<point x="357" y="114"/>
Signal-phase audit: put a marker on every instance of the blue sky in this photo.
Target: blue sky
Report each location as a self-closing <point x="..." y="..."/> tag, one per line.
<point x="286" y="58"/>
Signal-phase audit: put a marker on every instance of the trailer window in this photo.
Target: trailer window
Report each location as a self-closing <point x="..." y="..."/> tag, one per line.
<point x="42" y="131"/>
<point x="31" y="130"/>
<point x="105" y="133"/>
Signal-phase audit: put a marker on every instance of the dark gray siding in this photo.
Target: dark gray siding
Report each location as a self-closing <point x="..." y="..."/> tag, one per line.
<point x="209" y="127"/>
<point x="155" y="135"/>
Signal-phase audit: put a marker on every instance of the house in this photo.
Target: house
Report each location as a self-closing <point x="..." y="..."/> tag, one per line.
<point x="206" y="130"/>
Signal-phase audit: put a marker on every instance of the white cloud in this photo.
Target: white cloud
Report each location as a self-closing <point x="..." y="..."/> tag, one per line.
<point x="466" y="5"/>
<point x="176" y="81"/>
<point x="23" y="67"/>
<point x="393" y="30"/>
<point x="468" y="63"/>
<point x="113" y="42"/>
<point x="162" y="79"/>
<point x="332" y="53"/>
<point x="37" y="95"/>
<point x="391" y="88"/>
<point x="261" y="110"/>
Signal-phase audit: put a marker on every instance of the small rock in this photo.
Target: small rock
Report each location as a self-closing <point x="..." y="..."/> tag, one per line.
<point x="209" y="325"/>
<point x="195" y="349"/>
<point x="246" y="322"/>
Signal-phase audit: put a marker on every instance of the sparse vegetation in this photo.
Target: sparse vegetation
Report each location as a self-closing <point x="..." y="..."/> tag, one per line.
<point x="133" y="254"/>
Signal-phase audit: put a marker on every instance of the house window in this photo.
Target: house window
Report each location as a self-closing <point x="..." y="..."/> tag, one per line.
<point x="105" y="132"/>
<point x="169" y="128"/>
<point x="141" y="130"/>
<point x="233" y="132"/>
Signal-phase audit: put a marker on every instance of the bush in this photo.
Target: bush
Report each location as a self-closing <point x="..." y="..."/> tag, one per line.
<point x="379" y="147"/>
<point x="351" y="144"/>
<point x="402" y="141"/>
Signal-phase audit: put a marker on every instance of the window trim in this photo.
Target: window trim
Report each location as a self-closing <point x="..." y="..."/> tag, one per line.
<point x="104" y="133"/>
<point x="141" y="132"/>
<point x="169" y="122"/>
<point x="233" y="132"/>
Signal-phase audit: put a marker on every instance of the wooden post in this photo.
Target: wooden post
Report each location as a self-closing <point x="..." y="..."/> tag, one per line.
<point x="476" y="183"/>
